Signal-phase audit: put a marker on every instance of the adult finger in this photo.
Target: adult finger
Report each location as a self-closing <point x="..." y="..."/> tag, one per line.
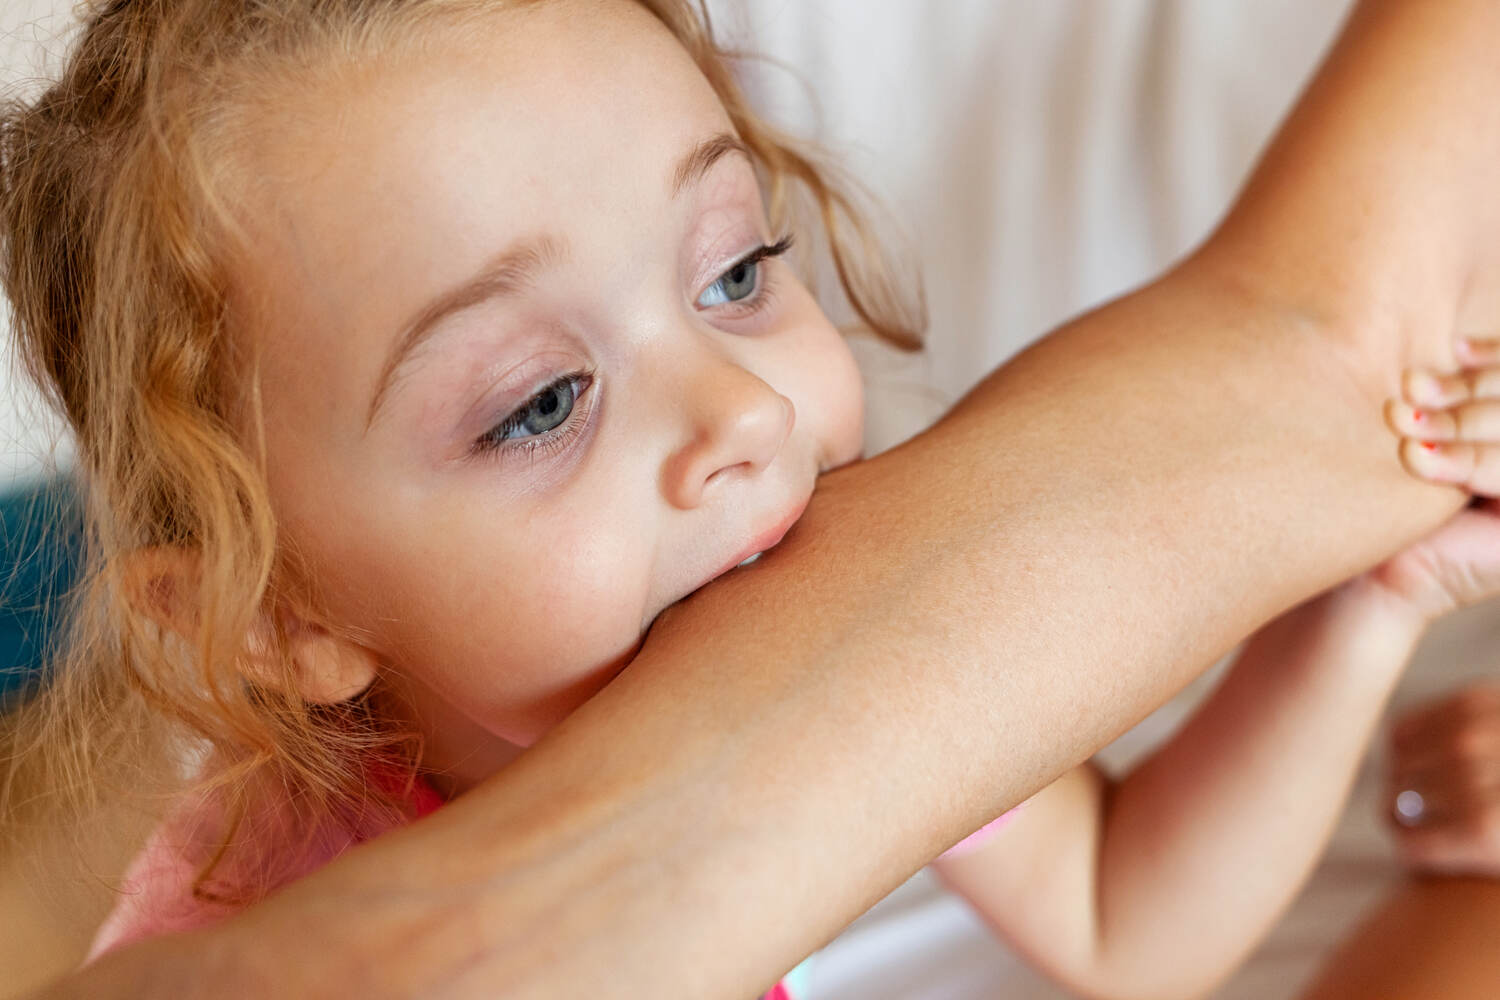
<point x="1433" y="723"/>
<point x="1428" y="796"/>
<point x="1474" y="744"/>
<point x="1465" y="843"/>
<point x="1476" y="352"/>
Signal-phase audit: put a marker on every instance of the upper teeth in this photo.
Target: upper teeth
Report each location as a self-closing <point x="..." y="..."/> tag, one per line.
<point x="752" y="559"/>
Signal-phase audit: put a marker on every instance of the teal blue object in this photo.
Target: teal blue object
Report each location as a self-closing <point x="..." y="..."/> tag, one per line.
<point x="41" y="532"/>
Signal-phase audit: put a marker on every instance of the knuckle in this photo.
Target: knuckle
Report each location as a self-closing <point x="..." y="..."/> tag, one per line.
<point x="1485" y="697"/>
<point x="1473" y="704"/>
<point x="1472" y="746"/>
<point x="1487" y="824"/>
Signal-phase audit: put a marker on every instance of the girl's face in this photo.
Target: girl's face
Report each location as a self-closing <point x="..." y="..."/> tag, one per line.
<point x="529" y="373"/>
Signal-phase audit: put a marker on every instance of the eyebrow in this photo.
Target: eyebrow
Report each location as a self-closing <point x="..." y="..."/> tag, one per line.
<point x="515" y="269"/>
<point x="509" y="273"/>
<point x="703" y="157"/>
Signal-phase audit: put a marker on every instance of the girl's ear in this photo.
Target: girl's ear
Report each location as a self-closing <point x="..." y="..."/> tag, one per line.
<point x="162" y="584"/>
<point x="327" y="668"/>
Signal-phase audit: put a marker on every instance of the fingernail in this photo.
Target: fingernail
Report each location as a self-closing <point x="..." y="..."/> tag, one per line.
<point x="1417" y="416"/>
<point x="1430" y="446"/>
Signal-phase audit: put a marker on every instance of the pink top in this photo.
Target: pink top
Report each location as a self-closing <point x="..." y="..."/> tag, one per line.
<point x="157" y="894"/>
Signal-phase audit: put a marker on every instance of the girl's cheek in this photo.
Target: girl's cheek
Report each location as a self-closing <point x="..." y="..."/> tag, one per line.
<point x="846" y="417"/>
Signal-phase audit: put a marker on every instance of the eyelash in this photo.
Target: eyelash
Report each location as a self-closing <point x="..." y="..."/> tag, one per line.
<point x="764" y="296"/>
<point x="496" y="440"/>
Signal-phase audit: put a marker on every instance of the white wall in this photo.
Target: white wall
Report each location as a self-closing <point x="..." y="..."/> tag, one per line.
<point x="30" y="41"/>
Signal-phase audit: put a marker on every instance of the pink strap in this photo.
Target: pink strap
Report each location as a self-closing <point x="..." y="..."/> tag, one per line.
<point x="981" y="836"/>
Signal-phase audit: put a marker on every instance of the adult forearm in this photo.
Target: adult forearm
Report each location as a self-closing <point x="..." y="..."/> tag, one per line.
<point x="1386" y="169"/>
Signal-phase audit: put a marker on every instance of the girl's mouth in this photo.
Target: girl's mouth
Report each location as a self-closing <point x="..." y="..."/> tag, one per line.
<point x="766" y="540"/>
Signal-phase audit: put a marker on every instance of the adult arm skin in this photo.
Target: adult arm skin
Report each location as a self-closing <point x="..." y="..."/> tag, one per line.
<point x="1430" y="939"/>
<point x="957" y="622"/>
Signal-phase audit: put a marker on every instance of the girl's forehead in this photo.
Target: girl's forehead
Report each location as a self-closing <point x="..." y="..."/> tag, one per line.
<point x="545" y="117"/>
<point x="555" y="85"/>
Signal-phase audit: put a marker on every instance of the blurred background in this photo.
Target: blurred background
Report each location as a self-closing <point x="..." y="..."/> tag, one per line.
<point x="1036" y="159"/>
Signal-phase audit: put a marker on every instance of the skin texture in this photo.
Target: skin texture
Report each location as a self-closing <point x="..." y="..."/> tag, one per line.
<point x="1433" y="938"/>
<point x="497" y="588"/>
<point x="1090" y="527"/>
<point x="1449" y="422"/>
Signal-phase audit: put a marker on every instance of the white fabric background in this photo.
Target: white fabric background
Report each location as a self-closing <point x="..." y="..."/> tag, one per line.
<point x="1041" y="157"/>
<point x="29" y="437"/>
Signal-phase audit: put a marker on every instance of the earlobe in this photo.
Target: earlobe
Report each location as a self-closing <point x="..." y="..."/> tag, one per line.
<point x="320" y="667"/>
<point x="329" y="669"/>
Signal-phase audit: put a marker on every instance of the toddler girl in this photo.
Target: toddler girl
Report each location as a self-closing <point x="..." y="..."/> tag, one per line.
<point x="420" y="353"/>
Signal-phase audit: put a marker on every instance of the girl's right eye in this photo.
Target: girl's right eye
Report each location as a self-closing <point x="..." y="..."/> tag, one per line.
<point x="539" y="416"/>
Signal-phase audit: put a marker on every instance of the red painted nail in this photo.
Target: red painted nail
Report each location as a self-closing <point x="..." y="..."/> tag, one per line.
<point x="1429" y="446"/>
<point x="1417" y="415"/>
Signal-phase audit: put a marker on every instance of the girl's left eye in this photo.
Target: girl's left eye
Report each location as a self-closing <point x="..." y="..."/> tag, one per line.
<point x="742" y="280"/>
<point x="736" y="285"/>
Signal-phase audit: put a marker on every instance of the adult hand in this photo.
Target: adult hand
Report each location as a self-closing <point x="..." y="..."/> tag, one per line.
<point x="1444" y="783"/>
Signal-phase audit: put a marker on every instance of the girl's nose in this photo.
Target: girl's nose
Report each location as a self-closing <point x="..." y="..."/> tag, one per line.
<point x="736" y="423"/>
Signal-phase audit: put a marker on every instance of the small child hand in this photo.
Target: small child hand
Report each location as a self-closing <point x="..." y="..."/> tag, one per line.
<point x="1450" y="433"/>
<point x="1450" y="430"/>
<point x="1450" y="424"/>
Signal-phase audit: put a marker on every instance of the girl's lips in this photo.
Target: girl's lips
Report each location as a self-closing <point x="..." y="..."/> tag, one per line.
<point x="767" y="539"/>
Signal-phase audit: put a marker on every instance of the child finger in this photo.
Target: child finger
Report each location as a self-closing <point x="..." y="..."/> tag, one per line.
<point x="1435" y="390"/>
<point x="1415" y="422"/>
<point x="1476" y="421"/>
<point x="1475" y="468"/>
<point x="1475" y="351"/>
